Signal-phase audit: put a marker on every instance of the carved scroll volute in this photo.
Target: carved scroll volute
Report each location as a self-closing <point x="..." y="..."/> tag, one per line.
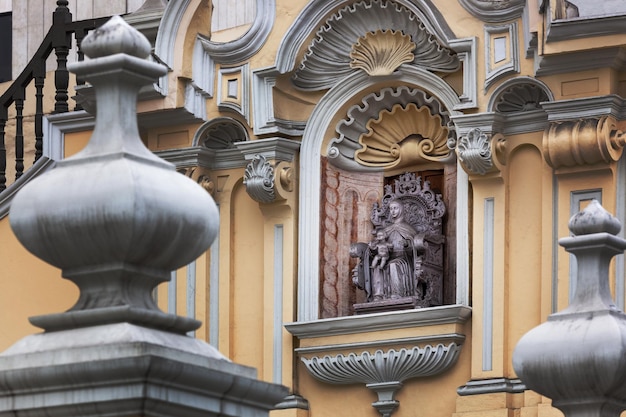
<point x="480" y="152"/>
<point x="583" y="142"/>
<point x="266" y="182"/>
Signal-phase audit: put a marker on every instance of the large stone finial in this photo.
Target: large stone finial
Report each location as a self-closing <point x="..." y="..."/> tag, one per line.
<point x="115" y="218"/>
<point x="577" y="357"/>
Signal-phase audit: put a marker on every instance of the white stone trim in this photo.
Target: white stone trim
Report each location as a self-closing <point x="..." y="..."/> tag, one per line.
<point x="488" y="259"/>
<point x="512" y="65"/>
<point x="309" y="216"/>
<point x="214" y="292"/>
<point x="466" y="52"/>
<point x="277" y="355"/>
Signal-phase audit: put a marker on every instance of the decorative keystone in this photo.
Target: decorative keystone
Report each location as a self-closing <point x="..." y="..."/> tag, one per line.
<point x="577" y="357"/>
<point x="115" y="218"/>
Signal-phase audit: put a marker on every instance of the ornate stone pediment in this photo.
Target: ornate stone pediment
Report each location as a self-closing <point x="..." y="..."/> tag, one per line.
<point x="392" y="29"/>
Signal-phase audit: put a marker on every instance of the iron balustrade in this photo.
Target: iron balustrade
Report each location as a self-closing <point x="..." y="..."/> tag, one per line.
<point x="57" y="40"/>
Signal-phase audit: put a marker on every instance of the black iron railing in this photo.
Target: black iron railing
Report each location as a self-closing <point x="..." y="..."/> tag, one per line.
<point x="58" y="40"/>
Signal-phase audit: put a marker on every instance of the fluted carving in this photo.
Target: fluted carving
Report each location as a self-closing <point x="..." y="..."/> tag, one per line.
<point x="382" y="51"/>
<point x="389" y="116"/>
<point x="259" y="179"/>
<point x="476" y="151"/>
<point x="583" y="142"/>
<point x="384" y="372"/>
<point x="328" y="57"/>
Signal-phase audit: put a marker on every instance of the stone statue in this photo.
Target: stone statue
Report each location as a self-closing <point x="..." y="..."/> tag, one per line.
<point x="402" y="266"/>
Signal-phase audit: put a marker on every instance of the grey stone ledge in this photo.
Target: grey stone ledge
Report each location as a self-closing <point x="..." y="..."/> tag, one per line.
<point x="380" y="321"/>
<point x="279" y="149"/>
<point x="445" y="339"/>
<point x="585" y="27"/>
<point x="581" y="108"/>
<point x="614" y="57"/>
<point x="490" y="386"/>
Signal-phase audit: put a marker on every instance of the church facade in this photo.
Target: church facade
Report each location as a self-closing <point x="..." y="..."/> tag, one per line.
<point x="392" y="179"/>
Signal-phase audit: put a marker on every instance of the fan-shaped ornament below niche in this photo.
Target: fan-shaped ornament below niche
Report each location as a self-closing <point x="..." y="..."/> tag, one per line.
<point x="382" y="52"/>
<point x="404" y="136"/>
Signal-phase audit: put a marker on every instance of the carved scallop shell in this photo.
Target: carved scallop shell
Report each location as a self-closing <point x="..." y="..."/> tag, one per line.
<point x="327" y="59"/>
<point x="402" y="136"/>
<point x="381" y="52"/>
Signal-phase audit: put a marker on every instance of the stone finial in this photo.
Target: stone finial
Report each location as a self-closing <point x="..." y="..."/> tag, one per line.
<point x="114" y="217"/>
<point x="577" y="357"/>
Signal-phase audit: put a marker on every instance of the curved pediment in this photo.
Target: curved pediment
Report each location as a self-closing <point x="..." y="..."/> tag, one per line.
<point x="379" y="33"/>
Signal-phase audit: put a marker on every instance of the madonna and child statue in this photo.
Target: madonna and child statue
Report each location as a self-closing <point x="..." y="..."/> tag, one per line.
<point x="402" y="266"/>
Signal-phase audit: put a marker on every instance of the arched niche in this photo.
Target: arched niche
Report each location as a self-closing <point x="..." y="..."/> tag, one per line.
<point x="314" y="144"/>
<point x="220" y="133"/>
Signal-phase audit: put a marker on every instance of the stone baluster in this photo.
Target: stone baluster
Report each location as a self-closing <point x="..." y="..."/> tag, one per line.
<point x="577" y="357"/>
<point x="117" y="220"/>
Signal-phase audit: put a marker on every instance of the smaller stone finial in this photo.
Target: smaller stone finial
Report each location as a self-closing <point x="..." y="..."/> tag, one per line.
<point x="594" y="219"/>
<point x="576" y="358"/>
<point x="114" y="38"/>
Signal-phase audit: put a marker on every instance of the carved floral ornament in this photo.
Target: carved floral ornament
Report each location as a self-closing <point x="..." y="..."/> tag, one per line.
<point x="477" y="149"/>
<point x="583" y="142"/>
<point x="376" y="36"/>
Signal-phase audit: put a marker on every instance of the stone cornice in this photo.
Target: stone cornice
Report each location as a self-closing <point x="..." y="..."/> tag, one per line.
<point x="452" y="314"/>
<point x="614" y="57"/>
<point x="581" y="108"/>
<point x="278" y="149"/>
<point x="585" y="27"/>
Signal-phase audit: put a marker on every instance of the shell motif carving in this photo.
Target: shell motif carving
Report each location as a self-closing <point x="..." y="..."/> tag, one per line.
<point x="328" y="57"/>
<point x="474" y="151"/>
<point x="382" y="51"/>
<point x="404" y="135"/>
<point x="259" y="180"/>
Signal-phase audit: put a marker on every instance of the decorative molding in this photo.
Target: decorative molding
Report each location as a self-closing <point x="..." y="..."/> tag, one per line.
<point x="315" y="13"/>
<point x="476" y="150"/>
<point x="310" y="173"/>
<point x="376" y="322"/>
<point x="259" y="180"/>
<point x="384" y="371"/>
<point x="382" y="52"/>
<point x="584" y="20"/>
<point x="246" y="46"/>
<point x="278" y="264"/>
<point x="519" y="97"/>
<point x="328" y="58"/>
<point x="494" y="11"/>
<point x="588" y="141"/>
<point x="220" y="133"/>
<point x="365" y="122"/>
<point x="466" y="52"/>
<point x="233" y="91"/>
<point x="488" y="283"/>
<point x="614" y="58"/>
<point x="375" y="344"/>
<point x="492" y="386"/>
<point x="268" y="181"/>
<point x="586" y="107"/>
<point x="500" y="62"/>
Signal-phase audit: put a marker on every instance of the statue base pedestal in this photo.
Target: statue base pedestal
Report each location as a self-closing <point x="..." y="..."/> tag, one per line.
<point x="390" y="304"/>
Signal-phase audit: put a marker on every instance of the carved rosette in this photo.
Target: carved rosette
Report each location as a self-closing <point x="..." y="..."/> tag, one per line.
<point x="583" y="142"/>
<point x="475" y="152"/>
<point x="259" y="180"/>
<point x="382" y="51"/>
<point x="384" y="372"/>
